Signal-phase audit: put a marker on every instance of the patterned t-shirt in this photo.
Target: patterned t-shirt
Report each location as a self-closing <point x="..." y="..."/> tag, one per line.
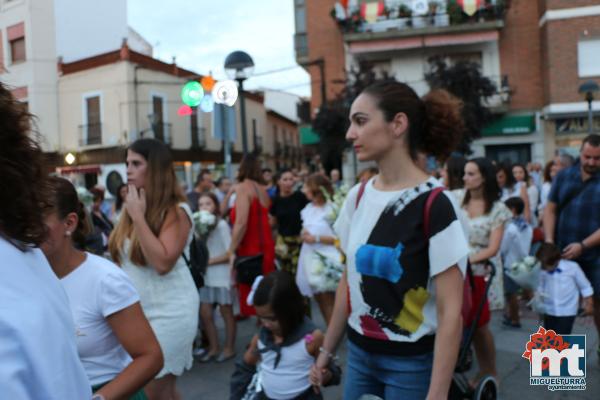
<point x="391" y="265"/>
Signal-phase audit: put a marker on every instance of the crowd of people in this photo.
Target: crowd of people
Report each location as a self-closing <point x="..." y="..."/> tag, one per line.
<point x="122" y="317"/>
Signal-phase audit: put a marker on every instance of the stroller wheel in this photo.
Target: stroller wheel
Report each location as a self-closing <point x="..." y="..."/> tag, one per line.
<point x="487" y="389"/>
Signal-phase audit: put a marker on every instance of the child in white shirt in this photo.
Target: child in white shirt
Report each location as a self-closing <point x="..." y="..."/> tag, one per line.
<point x="515" y="246"/>
<point x="561" y="283"/>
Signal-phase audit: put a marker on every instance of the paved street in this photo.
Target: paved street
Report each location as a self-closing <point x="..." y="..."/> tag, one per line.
<point x="211" y="381"/>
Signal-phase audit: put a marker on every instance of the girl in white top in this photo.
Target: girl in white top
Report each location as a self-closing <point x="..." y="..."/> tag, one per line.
<point x="217" y="284"/>
<point x="287" y="343"/>
<point x="154" y="230"/>
<point x="533" y="194"/>
<point x="550" y="171"/>
<point x="511" y="188"/>
<point x="318" y="245"/>
<point x="109" y="322"/>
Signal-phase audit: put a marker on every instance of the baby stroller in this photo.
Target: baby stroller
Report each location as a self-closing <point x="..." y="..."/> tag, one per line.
<point x="487" y="388"/>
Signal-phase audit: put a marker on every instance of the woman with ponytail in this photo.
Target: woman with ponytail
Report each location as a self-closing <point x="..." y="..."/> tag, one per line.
<point x="401" y="293"/>
<point x="116" y="345"/>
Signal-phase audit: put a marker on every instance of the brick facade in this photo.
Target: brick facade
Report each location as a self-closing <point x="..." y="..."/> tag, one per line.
<point x="519" y="46"/>
<point x="324" y="41"/>
<point x="559" y="57"/>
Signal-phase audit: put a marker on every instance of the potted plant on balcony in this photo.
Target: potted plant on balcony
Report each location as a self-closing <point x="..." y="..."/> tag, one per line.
<point x="404" y="14"/>
<point x="455" y="13"/>
<point x="438" y="14"/>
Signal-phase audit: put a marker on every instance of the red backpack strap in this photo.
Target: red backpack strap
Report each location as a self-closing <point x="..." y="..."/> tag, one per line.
<point x="426" y="216"/>
<point x="361" y="191"/>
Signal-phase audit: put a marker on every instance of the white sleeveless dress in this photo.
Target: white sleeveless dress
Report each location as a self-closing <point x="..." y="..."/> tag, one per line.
<point x="171" y="304"/>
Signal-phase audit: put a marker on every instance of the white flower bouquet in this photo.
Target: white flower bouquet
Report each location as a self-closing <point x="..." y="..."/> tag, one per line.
<point x="85" y="196"/>
<point x="324" y="273"/>
<point x="336" y="201"/>
<point x="526" y="273"/>
<point x="204" y="222"/>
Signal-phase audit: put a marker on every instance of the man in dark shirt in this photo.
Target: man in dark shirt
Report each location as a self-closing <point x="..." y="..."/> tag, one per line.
<point x="204" y="183"/>
<point x="572" y="215"/>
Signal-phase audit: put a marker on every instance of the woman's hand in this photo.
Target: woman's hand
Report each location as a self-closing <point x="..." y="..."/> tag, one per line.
<point x="318" y="372"/>
<point x="307" y="237"/>
<point x="135" y="203"/>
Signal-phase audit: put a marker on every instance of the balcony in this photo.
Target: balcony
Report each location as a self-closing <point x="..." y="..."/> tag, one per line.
<point x="90" y="135"/>
<point x="278" y="149"/>
<point x="445" y="24"/>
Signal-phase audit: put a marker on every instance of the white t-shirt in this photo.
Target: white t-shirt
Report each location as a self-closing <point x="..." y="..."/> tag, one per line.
<point x="391" y="268"/>
<point x="560" y="289"/>
<point x="516" y="243"/>
<point x="96" y="290"/>
<point x="38" y="355"/>
<point x="218" y="242"/>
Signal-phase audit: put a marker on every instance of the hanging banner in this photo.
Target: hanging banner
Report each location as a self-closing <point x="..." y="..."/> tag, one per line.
<point x="470" y="7"/>
<point x="371" y="10"/>
<point x="420" y="7"/>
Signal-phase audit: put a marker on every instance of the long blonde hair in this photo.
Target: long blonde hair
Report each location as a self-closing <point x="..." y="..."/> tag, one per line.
<point x="163" y="194"/>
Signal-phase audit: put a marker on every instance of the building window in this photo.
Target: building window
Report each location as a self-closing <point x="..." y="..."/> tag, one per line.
<point x="93" y="126"/>
<point x="16" y="42"/>
<point x="587" y="57"/>
<point x="300" y="15"/>
<point x="158" y="121"/>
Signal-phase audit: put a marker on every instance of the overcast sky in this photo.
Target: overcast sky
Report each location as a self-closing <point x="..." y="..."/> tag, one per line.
<point x="201" y="33"/>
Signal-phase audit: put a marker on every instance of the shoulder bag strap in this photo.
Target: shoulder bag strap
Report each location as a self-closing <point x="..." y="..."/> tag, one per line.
<point x="427" y="213"/>
<point x="361" y="191"/>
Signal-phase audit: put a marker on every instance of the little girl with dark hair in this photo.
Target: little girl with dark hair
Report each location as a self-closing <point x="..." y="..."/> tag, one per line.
<point x="286" y="346"/>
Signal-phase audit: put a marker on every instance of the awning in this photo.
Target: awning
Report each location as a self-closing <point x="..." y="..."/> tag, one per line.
<point x="511" y="125"/>
<point x="79" y="169"/>
<point x="308" y="136"/>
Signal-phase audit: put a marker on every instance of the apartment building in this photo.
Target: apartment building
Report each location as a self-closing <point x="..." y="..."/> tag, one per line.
<point x="536" y="52"/>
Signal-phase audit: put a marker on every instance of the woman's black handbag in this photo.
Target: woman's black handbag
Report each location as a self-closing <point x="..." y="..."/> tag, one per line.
<point x="248" y="268"/>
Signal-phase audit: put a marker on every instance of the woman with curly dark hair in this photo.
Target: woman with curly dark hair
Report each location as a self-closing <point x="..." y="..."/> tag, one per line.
<point x="401" y="293"/>
<point x="38" y="351"/>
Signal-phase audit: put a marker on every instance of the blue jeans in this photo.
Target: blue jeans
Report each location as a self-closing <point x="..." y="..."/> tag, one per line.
<point x="386" y="376"/>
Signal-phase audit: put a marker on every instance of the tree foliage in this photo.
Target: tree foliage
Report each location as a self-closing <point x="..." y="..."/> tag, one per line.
<point x="464" y="80"/>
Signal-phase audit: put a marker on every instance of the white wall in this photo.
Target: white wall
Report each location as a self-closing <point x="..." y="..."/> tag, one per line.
<point x="86" y="28"/>
<point x="38" y="73"/>
<point x="282" y="103"/>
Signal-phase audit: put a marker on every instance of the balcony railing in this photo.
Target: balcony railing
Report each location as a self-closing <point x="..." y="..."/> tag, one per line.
<point x="278" y="149"/>
<point x="198" y="137"/>
<point x="440" y="14"/>
<point x="90" y="135"/>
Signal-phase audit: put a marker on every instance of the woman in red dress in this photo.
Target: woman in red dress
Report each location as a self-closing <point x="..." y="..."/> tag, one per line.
<point x="251" y="233"/>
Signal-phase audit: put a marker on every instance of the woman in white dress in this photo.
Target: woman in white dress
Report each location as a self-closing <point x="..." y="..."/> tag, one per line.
<point x="154" y="230"/>
<point x="318" y="247"/>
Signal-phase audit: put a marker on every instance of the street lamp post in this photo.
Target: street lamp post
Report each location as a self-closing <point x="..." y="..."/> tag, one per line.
<point x="239" y="66"/>
<point x="588" y="89"/>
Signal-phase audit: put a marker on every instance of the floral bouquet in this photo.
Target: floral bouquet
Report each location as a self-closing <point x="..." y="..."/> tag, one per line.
<point x="204" y="222"/>
<point x="336" y="201"/>
<point x="85" y="197"/>
<point x="324" y="273"/>
<point x="526" y="273"/>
